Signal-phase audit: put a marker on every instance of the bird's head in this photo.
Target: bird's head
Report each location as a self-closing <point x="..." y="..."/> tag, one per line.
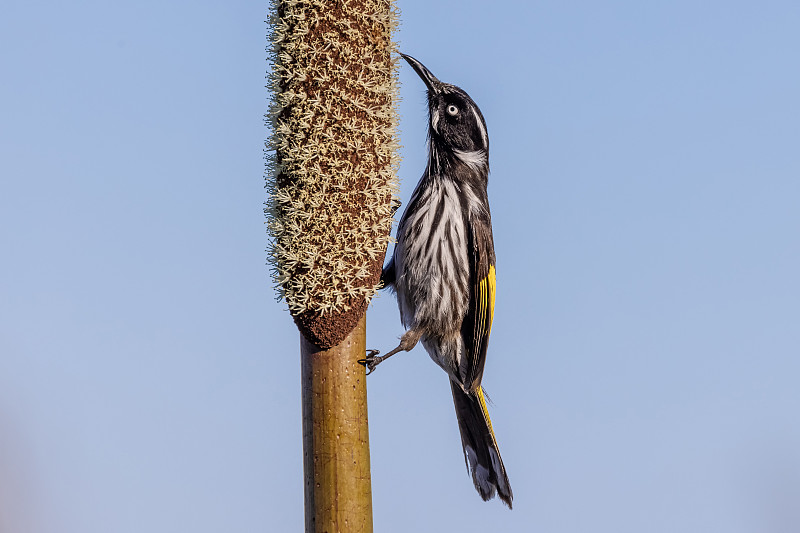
<point x="455" y="121"/>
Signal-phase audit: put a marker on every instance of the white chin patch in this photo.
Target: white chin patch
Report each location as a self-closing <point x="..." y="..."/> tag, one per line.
<point x="474" y="159"/>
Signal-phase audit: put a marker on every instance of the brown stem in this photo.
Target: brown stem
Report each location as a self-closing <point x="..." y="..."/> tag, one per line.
<point x="338" y="489"/>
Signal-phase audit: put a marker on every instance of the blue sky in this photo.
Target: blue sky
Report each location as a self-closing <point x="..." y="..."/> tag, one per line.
<point x="643" y="364"/>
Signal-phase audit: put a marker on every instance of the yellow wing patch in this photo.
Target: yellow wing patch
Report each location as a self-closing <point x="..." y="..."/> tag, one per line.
<point x="480" y="326"/>
<point x="486" y="293"/>
<point x="485" y="411"/>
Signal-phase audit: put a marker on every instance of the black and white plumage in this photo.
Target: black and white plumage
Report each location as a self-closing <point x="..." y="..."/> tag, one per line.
<point x="443" y="270"/>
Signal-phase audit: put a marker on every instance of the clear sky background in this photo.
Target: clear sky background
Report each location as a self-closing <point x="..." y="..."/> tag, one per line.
<point x="645" y="356"/>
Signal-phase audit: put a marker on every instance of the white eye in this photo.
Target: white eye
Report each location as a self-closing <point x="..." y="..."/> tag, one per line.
<point x="452" y="110"/>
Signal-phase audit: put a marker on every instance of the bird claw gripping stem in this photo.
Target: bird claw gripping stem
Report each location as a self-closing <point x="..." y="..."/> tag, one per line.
<point x="371" y="361"/>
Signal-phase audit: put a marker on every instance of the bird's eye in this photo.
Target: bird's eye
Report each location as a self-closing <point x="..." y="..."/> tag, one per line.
<point x="452" y="110"/>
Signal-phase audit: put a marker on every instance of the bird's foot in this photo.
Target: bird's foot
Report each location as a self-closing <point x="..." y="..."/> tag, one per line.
<point x="371" y="361"/>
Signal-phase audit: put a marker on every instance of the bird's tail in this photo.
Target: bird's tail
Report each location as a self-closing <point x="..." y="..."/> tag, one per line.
<point x="480" y="446"/>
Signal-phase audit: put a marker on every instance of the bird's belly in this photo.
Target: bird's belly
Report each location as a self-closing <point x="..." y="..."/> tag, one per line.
<point x="433" y="300"/>
<point x="432" y="281"/>
<point x="429" y="302"/>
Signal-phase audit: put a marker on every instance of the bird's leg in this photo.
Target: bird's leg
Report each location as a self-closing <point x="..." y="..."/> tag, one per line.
<point x="407" y="342"/>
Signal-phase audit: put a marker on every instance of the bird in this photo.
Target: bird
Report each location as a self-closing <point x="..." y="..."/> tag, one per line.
<point x="442" y="271"/>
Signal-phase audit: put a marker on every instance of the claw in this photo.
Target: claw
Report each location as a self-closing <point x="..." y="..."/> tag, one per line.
<point x="371" y="360"/>
<point x="395" y="205"/>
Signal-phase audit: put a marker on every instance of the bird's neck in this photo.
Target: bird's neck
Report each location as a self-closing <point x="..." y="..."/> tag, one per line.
<point x="458" y="165"/>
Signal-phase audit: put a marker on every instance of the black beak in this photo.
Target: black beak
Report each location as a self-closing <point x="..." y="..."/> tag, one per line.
<point x="434" y="85"/>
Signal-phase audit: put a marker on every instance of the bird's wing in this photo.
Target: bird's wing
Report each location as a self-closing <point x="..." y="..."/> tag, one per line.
<point x="478" y="322"/>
